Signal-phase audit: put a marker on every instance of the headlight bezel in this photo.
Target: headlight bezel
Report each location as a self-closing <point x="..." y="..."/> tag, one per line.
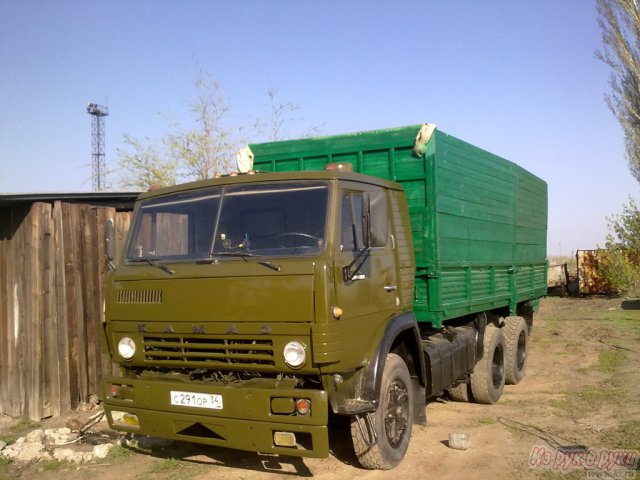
<point x="127" y="348"/>
<point x="295" y="354"/>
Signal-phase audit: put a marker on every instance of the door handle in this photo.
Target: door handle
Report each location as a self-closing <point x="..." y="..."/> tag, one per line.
<point x="390" y="288"/>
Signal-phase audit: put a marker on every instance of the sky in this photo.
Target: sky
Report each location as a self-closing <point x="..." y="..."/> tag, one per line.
<point x="517" y="78"/>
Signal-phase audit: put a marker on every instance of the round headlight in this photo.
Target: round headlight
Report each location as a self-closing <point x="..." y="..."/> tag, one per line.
<point x="294" y="354"/>
<point x="126" y="348"/>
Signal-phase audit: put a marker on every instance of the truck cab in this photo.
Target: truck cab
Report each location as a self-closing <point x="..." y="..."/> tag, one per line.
<point x="246" y="307"/>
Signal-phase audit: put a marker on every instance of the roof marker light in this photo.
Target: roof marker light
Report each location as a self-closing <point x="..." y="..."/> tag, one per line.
<point x="342" y="166"/>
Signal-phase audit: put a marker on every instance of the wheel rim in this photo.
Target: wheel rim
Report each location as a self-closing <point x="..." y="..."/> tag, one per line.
<point x="396" y="413"/>
<point x="497" y="367"/>
<point x="521" y="352"/>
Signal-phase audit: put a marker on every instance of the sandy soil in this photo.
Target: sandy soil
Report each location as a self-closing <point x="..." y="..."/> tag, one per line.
<point x="568" y="398"/>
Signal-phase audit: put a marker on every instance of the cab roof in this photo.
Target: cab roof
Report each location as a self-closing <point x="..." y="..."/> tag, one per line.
<point x="262" y="177"/>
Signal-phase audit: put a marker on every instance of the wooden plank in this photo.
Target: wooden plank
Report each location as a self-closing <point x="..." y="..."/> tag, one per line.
<point x="81" y="286"/>
<point x="91" y="297"/>
<point x="32" y="327"/>
<point x="21" y="316"/>
<point x="72" y="250"/>
<point x="12" y="406"/>
<point x="60" y="351"/>
<point x="36" y="395"/>
<point x="9" y="383"/>
<point x="50" y="402"/>
<point x="5" y="239"/>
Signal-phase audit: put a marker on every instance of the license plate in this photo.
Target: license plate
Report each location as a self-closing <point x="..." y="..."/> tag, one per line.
<point x="197" y="400"/>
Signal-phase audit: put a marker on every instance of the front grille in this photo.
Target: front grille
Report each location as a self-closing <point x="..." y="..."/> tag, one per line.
<point x="207" y="351"/>
<point x="139" y="296"/>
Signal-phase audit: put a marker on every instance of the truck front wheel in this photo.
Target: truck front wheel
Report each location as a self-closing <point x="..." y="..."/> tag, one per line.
<point x="488" y="377"/>
<point x="516" y="335"/>
<point x="392" y="422"/>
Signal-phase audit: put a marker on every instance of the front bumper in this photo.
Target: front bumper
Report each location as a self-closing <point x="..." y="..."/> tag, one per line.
<point x="248" y="420"/>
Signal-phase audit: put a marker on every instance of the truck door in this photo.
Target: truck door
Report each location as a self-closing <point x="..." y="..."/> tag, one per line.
<point x="365" y="272"/>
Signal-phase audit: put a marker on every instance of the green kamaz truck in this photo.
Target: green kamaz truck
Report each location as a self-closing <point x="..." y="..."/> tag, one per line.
<point x="355" y="275"/>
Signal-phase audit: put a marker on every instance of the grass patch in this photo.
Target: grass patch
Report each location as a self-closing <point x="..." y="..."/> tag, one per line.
<point x="25" y="424"/>
<point x="174" y="469"/>
<point x="625" y="436"/>
<point x="169" y="464"/>
<point x="610" y="360"/>
<point x="53" y="465"/>
<point x="582" y="403"/>
<point x="10" y="438"/>
<point x="118" y="452"/>
<point x="553" y="475"/>
<point x="5" y="461"/>
<point x="487" y="421"/>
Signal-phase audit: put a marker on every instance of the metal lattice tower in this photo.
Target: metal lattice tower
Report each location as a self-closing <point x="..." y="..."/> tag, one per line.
<point x="97" y="113"/>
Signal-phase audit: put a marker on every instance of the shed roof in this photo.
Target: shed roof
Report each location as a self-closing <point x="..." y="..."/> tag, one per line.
<point x="118" y="200"/>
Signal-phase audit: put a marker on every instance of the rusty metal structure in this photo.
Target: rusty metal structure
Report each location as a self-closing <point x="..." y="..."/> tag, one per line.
<point x="590" y="278"/>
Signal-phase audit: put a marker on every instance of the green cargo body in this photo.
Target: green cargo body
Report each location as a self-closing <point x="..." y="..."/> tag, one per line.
<point x="479" y="221"/>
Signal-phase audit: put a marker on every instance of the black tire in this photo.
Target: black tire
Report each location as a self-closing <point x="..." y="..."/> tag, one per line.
<point x="516" y="335"/>
<point x="487" y="379"/>
<point x="392" y="421"/>
<point x="460" y="393"/>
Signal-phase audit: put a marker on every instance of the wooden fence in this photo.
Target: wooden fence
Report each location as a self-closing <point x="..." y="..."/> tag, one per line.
<point x="52" y="285"/>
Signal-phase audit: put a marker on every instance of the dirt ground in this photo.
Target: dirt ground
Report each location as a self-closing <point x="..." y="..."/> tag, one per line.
<point x="581" y="391"/>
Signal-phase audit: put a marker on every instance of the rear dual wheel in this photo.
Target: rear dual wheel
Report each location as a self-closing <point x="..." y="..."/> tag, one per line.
<point x="516" y="333"/>
<point x="488" y="377"/>
<point x="504" y="361"/>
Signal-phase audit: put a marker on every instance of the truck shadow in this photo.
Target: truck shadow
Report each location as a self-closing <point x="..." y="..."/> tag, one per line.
<point x="339" y="440"/>
<point x="210" y="456"/>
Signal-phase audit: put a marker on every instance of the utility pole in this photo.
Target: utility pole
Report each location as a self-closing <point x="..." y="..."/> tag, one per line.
<point x="97" y="113"/>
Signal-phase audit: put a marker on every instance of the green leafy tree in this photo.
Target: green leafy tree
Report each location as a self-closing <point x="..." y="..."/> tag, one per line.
<point x="619" y="21"/>
<point x="621" y="260"/>
<point x="142" y="166"/>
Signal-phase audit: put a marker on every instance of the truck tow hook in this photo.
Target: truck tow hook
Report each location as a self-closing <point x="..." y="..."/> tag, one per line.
<point x="368" y="430"/>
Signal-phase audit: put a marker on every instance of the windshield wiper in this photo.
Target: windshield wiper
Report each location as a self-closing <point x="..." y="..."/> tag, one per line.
<point x="212" y="258"/>
<point x="244" y="256"/>
<point x="154" y="263"/>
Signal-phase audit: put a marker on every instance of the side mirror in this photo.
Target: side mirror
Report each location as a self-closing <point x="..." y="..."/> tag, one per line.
<point x="109" y="242"/>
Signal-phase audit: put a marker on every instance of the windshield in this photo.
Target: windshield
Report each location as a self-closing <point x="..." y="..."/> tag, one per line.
<point x="275" y="219"/>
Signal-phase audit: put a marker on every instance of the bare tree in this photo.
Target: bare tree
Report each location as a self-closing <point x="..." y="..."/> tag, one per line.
<point x="619" y="21"/>
<point x="207" y="148"/>
<point x="282" y="114"/>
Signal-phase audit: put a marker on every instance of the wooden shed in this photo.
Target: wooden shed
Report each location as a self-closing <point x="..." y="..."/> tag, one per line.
<point x="52" y="277"/>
